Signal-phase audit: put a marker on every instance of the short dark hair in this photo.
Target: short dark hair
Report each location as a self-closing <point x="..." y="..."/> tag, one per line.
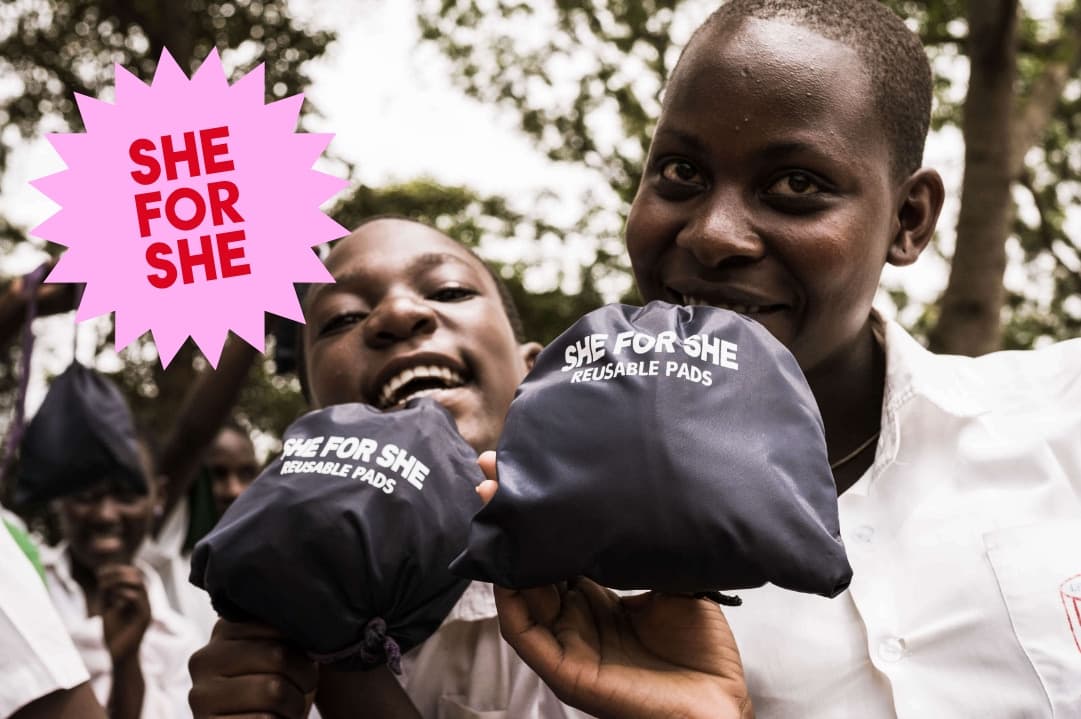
<point x="510" y="308"/>
<point x="232" y="424"/>
<point x="897" y="66"/>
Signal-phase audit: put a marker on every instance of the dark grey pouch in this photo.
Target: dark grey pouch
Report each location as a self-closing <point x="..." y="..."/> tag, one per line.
<point x="662" y="447"/>
<point x="343" y="542"/>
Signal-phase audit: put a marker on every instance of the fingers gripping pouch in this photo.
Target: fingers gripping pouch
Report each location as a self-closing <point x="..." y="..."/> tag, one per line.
<point x="663" y="447"/>
<point x="343" y="542"/>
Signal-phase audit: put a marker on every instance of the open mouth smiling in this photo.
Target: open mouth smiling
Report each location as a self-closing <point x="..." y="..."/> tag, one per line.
<point x="417" y="380"/>
<point x="736" y="302"/>
<point x="106" y="541"/>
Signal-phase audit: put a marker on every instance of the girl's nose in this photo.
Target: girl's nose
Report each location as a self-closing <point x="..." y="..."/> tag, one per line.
<point x="721" y="232"/>
<point x="396" y="319"/>
<point x="235" y="486"/>
<point x="105" y="510"/>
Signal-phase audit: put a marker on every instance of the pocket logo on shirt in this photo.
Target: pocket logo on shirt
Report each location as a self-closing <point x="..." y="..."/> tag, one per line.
<point x="1070" y="592"/>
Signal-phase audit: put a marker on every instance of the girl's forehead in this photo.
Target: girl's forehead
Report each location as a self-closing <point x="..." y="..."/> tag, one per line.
<point x="383" y="255"/>
<point x="769" y="85"/>
<point x="768" y="58"/>
<point x="230" y="439"/>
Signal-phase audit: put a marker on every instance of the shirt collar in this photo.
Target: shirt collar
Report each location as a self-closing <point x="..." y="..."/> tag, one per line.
<point x="913" y="372"/>
<point x="56" y="561"/>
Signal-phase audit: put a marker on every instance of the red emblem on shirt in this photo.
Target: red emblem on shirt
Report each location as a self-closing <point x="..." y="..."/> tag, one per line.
<point x="1070" y="592"/>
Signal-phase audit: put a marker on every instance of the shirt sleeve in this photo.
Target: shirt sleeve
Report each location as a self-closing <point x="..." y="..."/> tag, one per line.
<point x="167" y="681"/>
<point x="168" y="645"/>
<point x="168" y="701"/>
<point x="37" y="656"/>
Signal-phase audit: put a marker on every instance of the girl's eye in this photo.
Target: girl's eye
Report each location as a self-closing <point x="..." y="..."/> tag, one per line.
<point x="454" y="293"/>
<point x="682" y="172"/>
<point x="339" y="322"/>
<point x="793" y="185"/>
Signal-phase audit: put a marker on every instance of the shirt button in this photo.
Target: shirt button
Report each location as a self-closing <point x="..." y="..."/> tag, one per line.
<point x="891" y="649"/>
<point x="864" y="534"/>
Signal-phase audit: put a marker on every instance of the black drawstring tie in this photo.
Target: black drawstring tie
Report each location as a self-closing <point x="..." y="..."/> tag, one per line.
<point x="373" y="649"/>
<point x="725" y="600"/>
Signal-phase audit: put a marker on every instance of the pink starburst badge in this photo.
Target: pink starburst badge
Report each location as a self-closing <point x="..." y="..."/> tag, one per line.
<point x="189" y="207"/>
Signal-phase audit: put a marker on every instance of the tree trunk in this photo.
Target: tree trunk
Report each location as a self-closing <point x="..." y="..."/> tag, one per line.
<point x="971" y="307"/>
<point x="1031" y="122"/>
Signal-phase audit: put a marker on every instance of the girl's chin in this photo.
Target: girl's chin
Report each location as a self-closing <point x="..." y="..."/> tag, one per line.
<point x="98" y="558"/>
<point x="480" y="436"/>
<point x="471" y="415"/>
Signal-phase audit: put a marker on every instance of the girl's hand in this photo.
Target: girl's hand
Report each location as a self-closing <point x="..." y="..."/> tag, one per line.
<point x="250" y="669"/>
<point x="651" y="655"/>
<point x="125" y="611"/>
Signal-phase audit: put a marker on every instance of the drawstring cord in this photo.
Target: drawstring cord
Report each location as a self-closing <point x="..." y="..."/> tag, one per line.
<point x="15" y="432"/>
<point x="373" y="649"/>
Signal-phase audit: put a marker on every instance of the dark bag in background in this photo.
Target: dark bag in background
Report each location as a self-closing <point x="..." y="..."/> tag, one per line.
<point x="670" y="448"/>
<point x="83" y="433"/>
<point x="343" y="542"/>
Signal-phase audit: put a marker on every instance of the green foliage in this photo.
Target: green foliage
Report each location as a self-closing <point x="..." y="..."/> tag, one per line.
<point x="270" y="401"/>
<point x="1052" y="181"/>
<point x="58" y="48"/>
<point x="53" y="49"/>
<point x="588" y="92"/>
<point x="585" y="81"/>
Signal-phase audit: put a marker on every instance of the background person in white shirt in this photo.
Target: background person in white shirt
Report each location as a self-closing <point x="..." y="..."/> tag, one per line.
<point x="230" y="466"/>
<point x="202" y="440"/>
<point x="134" y="645"/>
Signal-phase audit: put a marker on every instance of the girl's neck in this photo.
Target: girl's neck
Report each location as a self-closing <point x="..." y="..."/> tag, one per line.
<point x="849" y="392"/>
<point x="87" y="580"/>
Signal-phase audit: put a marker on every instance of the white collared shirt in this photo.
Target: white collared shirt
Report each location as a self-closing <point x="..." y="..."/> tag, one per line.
<point x="165" y="553"/>
<point x="466" y="671"/>
<point x="965" y="543"/>
<point x="36" y="654"/>
<point x="163" y="654"/>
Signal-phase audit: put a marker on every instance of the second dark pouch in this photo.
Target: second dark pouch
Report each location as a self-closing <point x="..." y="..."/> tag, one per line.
<point x="343" y="542"/>
<point x="662" y="447"/>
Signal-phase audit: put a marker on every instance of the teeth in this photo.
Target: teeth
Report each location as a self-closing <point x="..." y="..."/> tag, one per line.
<point x="418" y="393"/>
<point x="395" y="383"/>
<point x="692" y="301"/>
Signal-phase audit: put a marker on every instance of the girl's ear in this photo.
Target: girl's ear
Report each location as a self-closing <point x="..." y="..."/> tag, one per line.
<point x="529" y="352"/>
<point x="921" y="198"/>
